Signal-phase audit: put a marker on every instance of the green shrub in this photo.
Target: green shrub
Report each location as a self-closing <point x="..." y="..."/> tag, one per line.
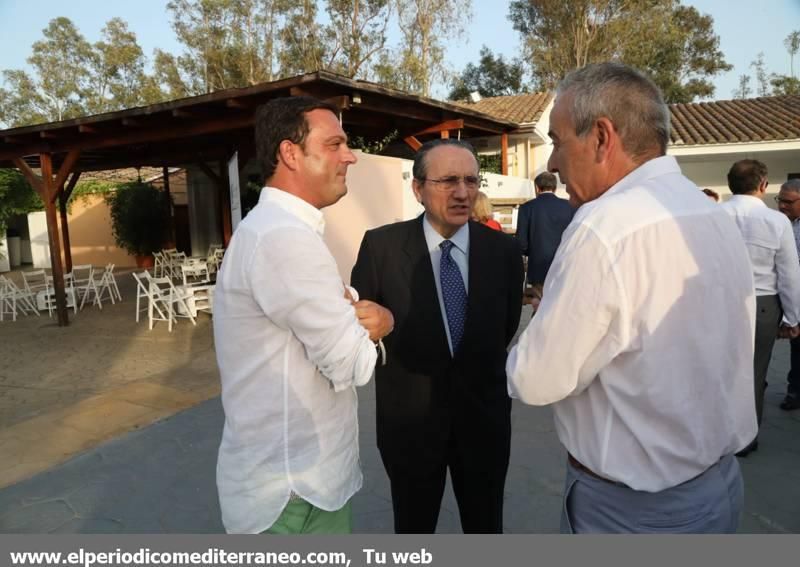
<point x="139" y="217"/>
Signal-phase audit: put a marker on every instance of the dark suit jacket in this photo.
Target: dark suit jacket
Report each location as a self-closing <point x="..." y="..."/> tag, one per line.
<point x="423" y="395"/>
<point x="540" y="224"/>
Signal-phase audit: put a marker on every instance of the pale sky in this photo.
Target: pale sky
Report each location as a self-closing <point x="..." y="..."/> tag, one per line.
<point x="744" y="27"/>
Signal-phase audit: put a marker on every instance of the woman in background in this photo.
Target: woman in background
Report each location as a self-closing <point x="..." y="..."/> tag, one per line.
<point x="482" y="212"/>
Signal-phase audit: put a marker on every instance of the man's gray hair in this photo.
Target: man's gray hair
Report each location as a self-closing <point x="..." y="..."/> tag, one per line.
<point x="630" y="100"/>
<point x="545" y="181"/>
<point x="791" y="185"/>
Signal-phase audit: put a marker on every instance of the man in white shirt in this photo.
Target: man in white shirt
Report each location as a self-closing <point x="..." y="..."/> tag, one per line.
<point x="788" y="200"/>
<point x="776" y="272"/>
<point x="291" y="344"/>
<point x="643" y="341"/>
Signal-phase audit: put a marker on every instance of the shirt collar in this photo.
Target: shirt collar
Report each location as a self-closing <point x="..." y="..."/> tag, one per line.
<point x="460" y="239"/>
<point x="747" y="201"/>
<point x="303" y="210"/>
<point x="655" y="167"/>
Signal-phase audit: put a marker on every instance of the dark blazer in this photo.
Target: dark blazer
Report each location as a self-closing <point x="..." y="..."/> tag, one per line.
<point x="540" y="224"/>
<point x="424" y="395"/>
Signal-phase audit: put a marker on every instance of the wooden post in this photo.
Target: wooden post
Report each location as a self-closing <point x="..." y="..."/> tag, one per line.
<point x="63" y="197"/>
<point x="171" y="220"/>
<point x="225" y="191"/>
<point x="48" y="184"/>
<point x="504" y="153"/>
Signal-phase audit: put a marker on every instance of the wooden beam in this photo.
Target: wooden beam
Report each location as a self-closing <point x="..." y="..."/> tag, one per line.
<point x="57" y="270"/>
<point x="48" y="135"/>
<point x="236" y="103"/>
<point x="31" y="177"/>
<point x="504" y="153"/>
<point x="66" y="168"/>
<point x="413" y="142"/>
<point x="180" y="113"/>
<point x="131" y="122"/>
<point x="169" y="131"/>
<point x="63" y="199"/>
<point x="86" y="129"/>
<point x="442" y="127"/>
<point x="212" y="175"/>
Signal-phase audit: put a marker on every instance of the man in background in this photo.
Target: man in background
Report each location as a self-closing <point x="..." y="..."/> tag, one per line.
<point x="291" y="344"/>
<point x="770" y="243"/>
<point x="540" y="224"/>
<point x="789" y="204"/>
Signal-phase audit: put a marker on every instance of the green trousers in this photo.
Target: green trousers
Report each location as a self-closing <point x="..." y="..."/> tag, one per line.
<point x="301" y="517"/>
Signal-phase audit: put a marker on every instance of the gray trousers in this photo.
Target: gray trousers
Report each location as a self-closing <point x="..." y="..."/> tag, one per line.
<point x="709" y="503"/>
<point x="768" y="317"/>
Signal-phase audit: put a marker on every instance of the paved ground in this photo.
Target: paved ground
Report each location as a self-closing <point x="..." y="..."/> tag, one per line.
<point x="160" y="478"/>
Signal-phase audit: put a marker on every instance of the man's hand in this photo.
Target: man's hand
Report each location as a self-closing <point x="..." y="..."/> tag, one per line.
<point x="785" y="332"/>
<point x="376" y="319"/>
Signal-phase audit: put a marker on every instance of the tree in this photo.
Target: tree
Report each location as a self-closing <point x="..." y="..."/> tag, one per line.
<point x="674" y="44"/>
<point x="792" y="43"/>
<point x="744" y="90"/>
<point x="762" y="77"/>
<point x="493" y="76"/>
<point x="58" y="84"/>
<point x="17" y="197"/>
<point x="419" y="60"/>
<point x="357" y="32"/>
<point x="304" y="41"/>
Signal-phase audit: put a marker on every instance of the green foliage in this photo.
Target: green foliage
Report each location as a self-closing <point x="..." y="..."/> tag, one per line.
<point x="674" y="44"/>
<point x="372" y="146"/>
<point x="357" y="32"/>
<point x="17" y="197"/>
<point x="493" y="76"/>
<point x="772" y="83"/>
<point x="490" y="163"/>
<point x="139" y="217"/>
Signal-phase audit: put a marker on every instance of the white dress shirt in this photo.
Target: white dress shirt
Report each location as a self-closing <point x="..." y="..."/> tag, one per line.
<point x="643" y="340"/>
<point x="290" y="351"/>
<point x="460" y="255"/>
<point x="769" y="238"/>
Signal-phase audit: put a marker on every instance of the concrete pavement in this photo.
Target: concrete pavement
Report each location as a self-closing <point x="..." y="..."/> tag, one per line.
<point x="160" y="478"/>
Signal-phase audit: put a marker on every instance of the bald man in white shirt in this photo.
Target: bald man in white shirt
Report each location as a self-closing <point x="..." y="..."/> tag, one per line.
<point x="643" y="341"/>
<point x="291" y="343"/>
<point x="770" y="243"/>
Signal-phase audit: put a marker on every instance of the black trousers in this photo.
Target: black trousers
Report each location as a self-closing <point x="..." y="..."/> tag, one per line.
<point x="478" y="482"/>
<point x="793" y="378"/>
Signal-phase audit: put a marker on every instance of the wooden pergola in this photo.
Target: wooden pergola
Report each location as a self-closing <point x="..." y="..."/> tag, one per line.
<point x="209" y="129"/>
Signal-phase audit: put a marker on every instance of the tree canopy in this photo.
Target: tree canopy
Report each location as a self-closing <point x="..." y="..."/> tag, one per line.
<point x="492" y="76"/>
<point x="674" y="44"/>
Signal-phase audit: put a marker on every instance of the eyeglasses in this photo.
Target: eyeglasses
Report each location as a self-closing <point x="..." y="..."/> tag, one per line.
<point x="787" y="202"/>
<point x="451" y="183"/>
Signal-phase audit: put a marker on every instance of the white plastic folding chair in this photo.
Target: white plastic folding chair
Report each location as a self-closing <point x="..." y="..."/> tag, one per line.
<point x="69" y="291"/>
<point x="142" y="290"/>
<point x="167" y="303"/>
<point x="110" y="281"/>
<point x="197" y="269"/>
<point x="15" y="300"/>
<point x="98" y="286"/>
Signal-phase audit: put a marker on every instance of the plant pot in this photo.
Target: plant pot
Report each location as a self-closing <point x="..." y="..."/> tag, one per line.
<point x="145" y="262"/>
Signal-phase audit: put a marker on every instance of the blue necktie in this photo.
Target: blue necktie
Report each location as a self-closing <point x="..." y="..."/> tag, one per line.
<point x="453" y="294"/>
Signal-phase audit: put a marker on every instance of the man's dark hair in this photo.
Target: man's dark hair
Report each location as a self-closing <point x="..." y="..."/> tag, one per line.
<point x="420" y="168"/>
<point x="745" y="176"/>
<point x="545" y="181"/>
<point x="283" y="119"/>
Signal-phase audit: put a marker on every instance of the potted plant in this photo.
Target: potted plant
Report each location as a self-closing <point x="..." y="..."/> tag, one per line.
<point x="139" y="220"/>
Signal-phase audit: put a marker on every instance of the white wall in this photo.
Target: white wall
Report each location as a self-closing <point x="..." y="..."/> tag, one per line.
<point x="40" y="245"/>
<point x="5" y="265"/>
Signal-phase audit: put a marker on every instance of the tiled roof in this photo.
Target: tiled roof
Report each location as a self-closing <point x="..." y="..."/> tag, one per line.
<point x="763" y="119"/>
<point x="523" y="109"/>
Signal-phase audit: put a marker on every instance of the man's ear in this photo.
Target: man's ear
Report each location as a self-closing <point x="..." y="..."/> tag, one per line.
<point x="417" y="190"/>
<point x="287" y="153"/>
<point x="606" y="137"/>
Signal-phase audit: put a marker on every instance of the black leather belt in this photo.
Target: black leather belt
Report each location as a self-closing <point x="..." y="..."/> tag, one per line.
<point x="581" y="467"/>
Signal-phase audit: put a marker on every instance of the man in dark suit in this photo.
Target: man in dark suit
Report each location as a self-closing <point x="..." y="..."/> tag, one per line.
<point x="540" y="224"/>
<point x="455" y="288"/>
